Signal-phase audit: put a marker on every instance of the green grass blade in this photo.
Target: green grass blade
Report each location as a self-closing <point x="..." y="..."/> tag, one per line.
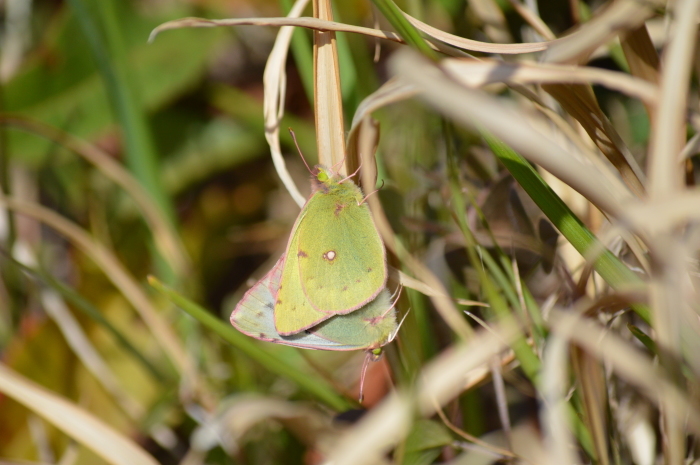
<point x="610" y="268"/>
<point x="140" y="149"/>
<point x="410" y="34"/>
<point x="643" y="338"/>
<point x="139" y="146"/>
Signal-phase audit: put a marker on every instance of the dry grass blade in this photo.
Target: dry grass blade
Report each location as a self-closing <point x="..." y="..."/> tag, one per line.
<point x="534" y="140"/>
<point x="619" y="16"/>
<point x="641" y="55"/>
<point x="480" y="73"/>
<point x="442" y="302"/>
<point x="533" y="20"/>
<point x="440" y="381"/>
<point x="577" y="100"/>
<point x="417" y="285"/>
<point x="475" y="45"/>
<point x="627" y="362"/>
<point x="239" y="414"/>
<point x="309" y="23"/>
<point x="669" y="213"/>
<point x="76" y="422"/>
<point x="670" y="281"/>
<point x="392" y="91"/>
<point x="642" y="59"/>
<point x="491" y="19"/>
<point x="668" y="135"/>
<point x="556" y="425"/>
<point x="501" y="401"/>
<point x="76" y="338"/>
<point x="165" y="238"/>
<point x="691" y="148"/>
<point x="321" y="25"/>
<point x="119" y="276"/>
<point x="494" y="449"/>
<point x="580" y="102"/>
<point x="591" y="376"/>
<point x="275" y="86"/>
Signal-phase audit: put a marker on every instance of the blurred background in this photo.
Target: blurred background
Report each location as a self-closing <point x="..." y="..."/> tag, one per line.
<point x="121" y="159"/>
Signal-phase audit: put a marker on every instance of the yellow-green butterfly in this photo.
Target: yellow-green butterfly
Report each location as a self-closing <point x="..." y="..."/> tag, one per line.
<point x="335" y="261"/>
<point x="369" y="327"/>
<point x="328" y="291"/>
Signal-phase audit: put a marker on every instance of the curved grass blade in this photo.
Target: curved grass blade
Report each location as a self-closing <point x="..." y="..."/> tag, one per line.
<point x="111" y="445"/>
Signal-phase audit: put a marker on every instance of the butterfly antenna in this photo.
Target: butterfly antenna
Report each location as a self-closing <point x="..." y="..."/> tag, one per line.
<point x="335" y="167"/>
<point x="294" y="138"/>
<point x="373" y="192"/>
<point x="353" y="174"/>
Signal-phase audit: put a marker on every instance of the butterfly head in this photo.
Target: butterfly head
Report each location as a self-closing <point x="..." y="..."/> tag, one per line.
<point x="323" y="178"/>
<point x="322" y="173"/>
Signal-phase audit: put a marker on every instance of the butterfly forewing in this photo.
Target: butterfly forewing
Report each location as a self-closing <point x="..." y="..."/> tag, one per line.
<point x="342" y="261"/>
<point x="293" y="312"/>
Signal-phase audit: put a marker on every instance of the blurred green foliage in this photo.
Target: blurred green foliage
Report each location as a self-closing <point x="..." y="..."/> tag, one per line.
<point x="185" y="115"/>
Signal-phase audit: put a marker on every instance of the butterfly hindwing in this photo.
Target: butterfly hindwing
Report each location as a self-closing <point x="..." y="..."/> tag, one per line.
<point x="369" y="327"/>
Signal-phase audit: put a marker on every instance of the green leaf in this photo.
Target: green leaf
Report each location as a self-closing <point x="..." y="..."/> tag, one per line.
<point x="427" y="434"/>
<point x="410" y="34"/>
<point x="425" y="442"/>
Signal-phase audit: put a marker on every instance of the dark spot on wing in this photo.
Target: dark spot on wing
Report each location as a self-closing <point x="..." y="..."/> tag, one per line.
<point x="369" y="270"/>
<point x="263" y="335"/>
<point x="302" y="254"/>
<point x="338" y="208"/>
<point x="259" y="314"/>
<point x="345" y="288"/>
<point x="358" y="280"/>
<point x="269" y="305"/>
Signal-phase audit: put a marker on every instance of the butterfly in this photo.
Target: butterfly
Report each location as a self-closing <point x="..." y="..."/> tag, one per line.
<point x="328" y="291"/>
